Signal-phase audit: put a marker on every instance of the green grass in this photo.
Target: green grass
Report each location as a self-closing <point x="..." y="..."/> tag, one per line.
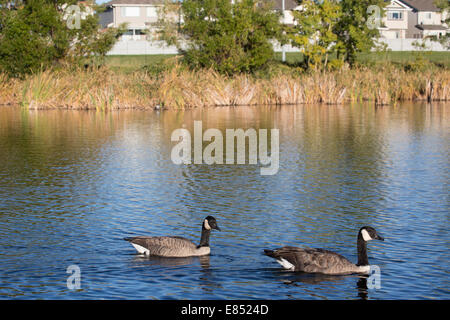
<point x="130" y="63"/>
<point x="398" y="57"/>
<point x="406" y="57"/>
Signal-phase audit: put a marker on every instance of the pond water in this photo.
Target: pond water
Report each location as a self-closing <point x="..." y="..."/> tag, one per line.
<point x="74" y="183"/>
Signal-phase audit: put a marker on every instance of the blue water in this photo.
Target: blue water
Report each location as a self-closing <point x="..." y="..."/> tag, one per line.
<point x="74" y="183"/>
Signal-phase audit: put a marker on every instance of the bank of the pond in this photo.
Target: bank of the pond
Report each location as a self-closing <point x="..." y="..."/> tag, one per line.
<point x="178" y="88"/>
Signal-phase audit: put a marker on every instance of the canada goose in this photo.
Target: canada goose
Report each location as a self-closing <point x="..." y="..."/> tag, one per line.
<point x="324" y="261"/>
<point x="175" y="246"/>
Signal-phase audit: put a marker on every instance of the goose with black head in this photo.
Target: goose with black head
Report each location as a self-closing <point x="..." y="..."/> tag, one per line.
<point x="324" y="261"/>
<point x="173" y="246"/>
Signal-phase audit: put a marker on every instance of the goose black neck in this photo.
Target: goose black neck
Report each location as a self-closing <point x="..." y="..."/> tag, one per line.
<point x="363" y="260"/>
<point x="204" y="240"/>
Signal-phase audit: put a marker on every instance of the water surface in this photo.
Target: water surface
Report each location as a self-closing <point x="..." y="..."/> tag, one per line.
<point x="74" y="183"/>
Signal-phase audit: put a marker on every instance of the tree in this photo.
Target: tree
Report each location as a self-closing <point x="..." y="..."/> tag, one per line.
<point x="230" y="37"/>
<point x="314" y="33"/>
<point x="353" y="29"/>
<point x="444" y="6"/>
<point x="36" y="34"/>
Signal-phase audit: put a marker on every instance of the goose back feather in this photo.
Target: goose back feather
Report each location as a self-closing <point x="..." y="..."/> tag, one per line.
<point x="325" y="261"/>
<point x="312" y="260"/>
<point x="167" y="246"/>
<point x="174" y="246"/>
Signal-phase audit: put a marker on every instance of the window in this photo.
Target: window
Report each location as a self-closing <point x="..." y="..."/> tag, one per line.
<point x="131" y="12"/>
<point x="429" y="15"/>
<point x="152" y="12"/>
<point x="139" y="32"/>
<point x="395" y="15"/>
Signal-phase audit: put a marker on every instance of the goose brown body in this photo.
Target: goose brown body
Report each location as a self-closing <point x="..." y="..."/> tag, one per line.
<point x="168" y="246"/>
<point x="314" y="260"/>
<point x="174" y="246"/>
<point x="325" y="261"/>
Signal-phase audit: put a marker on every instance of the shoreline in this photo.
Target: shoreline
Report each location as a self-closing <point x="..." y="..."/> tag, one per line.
<point x="153" y="109"/>
<point x="179" y="88"/>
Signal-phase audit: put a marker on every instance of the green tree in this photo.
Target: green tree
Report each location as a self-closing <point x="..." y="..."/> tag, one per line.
<point x="314" y="33"/>
<point x="228" y="37"/>
<point x="444" y="6"/>
<point x="354" y="29"/>
<point x="36" y="34"/>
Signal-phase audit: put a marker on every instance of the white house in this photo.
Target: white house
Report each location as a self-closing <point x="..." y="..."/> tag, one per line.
<point x="425" y="19"/>
<point x="395" y="21"/>
<point x="138" y="14"/>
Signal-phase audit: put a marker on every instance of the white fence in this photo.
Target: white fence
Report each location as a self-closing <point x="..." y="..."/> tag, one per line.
<point x="138" y="47"/>
<point x="408" y="45"/>
<point x="142" y="47"/>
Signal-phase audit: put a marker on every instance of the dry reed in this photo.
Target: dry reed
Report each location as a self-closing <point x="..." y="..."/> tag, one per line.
<point x="179" y="88"/>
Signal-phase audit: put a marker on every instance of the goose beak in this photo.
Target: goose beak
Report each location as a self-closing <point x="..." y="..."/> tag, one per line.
<point x="217" y="228"/>
<point x="378" y="237"/>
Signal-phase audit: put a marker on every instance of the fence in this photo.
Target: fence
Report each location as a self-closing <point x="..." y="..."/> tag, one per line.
<point x="142" y="47"/>
<point x="408" y="45"/>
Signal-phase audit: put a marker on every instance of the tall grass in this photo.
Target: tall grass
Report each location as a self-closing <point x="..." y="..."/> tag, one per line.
<point x="8" y="90"/>
<point x="180" y="88"/>
<point x="94" y="89"/>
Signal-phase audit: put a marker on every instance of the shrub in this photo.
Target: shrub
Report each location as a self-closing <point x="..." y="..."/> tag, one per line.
<point x="227" y="37"/>
<point x="35" y="35"/>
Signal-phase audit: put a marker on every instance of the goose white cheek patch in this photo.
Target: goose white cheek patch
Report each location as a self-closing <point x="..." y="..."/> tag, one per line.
<point x="366" y="235"/>
<point x="207" y="227"/>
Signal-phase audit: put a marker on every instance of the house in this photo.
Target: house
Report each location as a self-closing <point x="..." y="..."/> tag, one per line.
<point x="286" y="7"/>
<point x="138" y="14"/>
<point x="425" y="19"/>
<point x="141" y="14"/>
<point x="395" y="21"/>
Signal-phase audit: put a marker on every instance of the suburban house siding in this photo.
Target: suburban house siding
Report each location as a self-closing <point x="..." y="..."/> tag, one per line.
<point x="139" y="15"/>
<point x="429" y="17"/>
<point x="412" y="31"/>
<point x="395" y="21"/>
<point x="426" y="19"/>
<point x="146" y="14"/>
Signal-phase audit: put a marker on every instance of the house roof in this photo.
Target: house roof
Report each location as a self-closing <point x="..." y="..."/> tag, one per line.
<point x="422" y="5"/>
<point x="135" y="2"/>
<point x="398" y="5"/>
<point x="431" y="27"/>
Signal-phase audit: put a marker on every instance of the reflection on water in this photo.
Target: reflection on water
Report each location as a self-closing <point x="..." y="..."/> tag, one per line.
<point x="73" y="184"/>
<point x="203" y="261"/>
<point x="362" y="288"/>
